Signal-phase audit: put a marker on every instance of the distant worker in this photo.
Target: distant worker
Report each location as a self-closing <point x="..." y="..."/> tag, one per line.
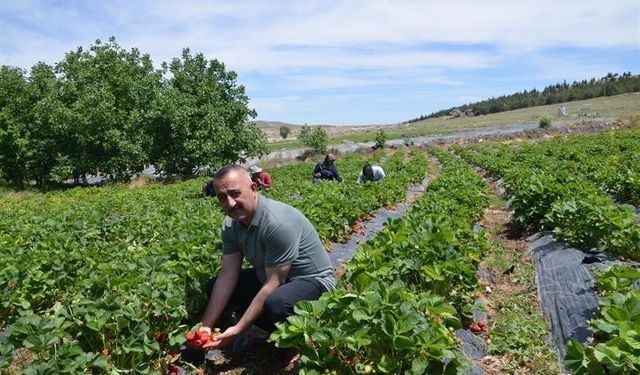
<point x="326" y="170"/>
<point x="370" y="172"/>
<point x="261" y="178"/>
<point x="207" y="190"/>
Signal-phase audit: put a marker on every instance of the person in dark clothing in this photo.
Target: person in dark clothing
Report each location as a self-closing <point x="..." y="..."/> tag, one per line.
<point x="326" y="170"/>
<point x="207" y="190"/>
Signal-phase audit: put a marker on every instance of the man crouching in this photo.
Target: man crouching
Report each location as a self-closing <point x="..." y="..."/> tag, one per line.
<point x="289" y="262"/>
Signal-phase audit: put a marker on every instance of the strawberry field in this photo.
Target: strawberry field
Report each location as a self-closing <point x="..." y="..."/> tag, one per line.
<point x="584" y="189"/>
<point x="109" y="279"/>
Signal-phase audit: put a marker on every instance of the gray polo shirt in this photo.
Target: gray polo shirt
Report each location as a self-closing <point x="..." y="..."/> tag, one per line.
<point x="279" y="234"/>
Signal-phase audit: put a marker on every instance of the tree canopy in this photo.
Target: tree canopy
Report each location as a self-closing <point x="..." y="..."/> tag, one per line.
<point x="107" y="111"/>
<point x="611" y="84"/>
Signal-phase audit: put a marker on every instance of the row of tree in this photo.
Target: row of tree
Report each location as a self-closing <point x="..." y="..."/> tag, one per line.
<point x="611" y="84"/>
<point x="107" y="111"/>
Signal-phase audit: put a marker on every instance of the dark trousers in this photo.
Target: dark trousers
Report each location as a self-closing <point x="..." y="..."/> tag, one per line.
<point x="279" y="305"/>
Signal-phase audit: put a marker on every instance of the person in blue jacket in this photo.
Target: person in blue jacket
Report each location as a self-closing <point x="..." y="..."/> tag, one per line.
<point x="326" y="170"/>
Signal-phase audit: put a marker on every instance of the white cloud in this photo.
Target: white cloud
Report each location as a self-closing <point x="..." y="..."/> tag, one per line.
<point x="321" y="45"/>
<point x="252" y="34"/>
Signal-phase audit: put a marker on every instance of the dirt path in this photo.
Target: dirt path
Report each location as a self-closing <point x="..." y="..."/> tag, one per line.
<point x="502" y="132"/>
<point x="517" y="337"/>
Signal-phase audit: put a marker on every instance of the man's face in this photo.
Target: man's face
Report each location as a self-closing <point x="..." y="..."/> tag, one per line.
<point x="237" y="195"/>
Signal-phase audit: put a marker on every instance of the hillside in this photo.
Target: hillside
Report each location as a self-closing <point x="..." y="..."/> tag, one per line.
<point x="624" y="105"/>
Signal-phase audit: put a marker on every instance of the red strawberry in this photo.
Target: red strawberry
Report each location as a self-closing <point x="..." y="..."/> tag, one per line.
<point x="475" y="328"/>
<point x="191" y="336"/>
<point x="202" y="336"/>
<point x="482" y="324"/>
<point x="174" y="369"/>
<point x="106" y="352"/>
<point x="197" y="343"/>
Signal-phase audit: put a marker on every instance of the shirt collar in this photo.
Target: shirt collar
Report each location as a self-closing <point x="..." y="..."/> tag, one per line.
<point x="257" y="216"/>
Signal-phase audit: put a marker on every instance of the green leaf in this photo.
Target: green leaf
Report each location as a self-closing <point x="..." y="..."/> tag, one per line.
<point x="575" y="358"/>
<point x="403" y="342"/>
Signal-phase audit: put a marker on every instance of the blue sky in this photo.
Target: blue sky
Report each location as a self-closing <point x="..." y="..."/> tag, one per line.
<point x="352" y="62"/>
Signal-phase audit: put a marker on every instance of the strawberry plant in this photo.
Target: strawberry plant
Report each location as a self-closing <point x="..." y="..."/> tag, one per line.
<point x="614" y="347"/>
<point x="404" y="290"/>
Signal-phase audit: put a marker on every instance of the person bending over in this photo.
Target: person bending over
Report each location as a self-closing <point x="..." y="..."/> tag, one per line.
<point x="260" y="177"/>
<point x="370" y="172"/>
<point x="326" y="170"/>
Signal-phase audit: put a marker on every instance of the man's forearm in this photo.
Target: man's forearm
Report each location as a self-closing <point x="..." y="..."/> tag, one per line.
<point x="256" y="307"/>
<point x="218" y="301"/>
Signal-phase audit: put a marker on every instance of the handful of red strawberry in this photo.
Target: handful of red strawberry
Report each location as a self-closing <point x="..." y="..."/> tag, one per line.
<point x="197" y="339"/>
<point x="479" y="327"/>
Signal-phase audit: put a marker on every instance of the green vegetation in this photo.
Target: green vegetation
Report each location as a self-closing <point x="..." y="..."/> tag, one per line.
<point x="284" y="131"/>
<point x="614" y="348"/>
<point x="562" y="185"/>
<point x="105" y="110"/>
<point x="315" y="138"/>
<point x="381" y="138"/>
<point x="624" y="105"/>
<point x="545" y="122"/>
<point x="612" y="84"/>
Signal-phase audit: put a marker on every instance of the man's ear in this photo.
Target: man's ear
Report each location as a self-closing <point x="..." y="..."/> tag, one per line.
<point x="254" y="186"/>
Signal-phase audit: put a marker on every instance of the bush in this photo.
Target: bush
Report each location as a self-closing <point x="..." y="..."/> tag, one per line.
<point x="545" y="122"/>
<point x="380" y="139"/>
<point x="284" y="131"/>
<point x="316" y="139"/>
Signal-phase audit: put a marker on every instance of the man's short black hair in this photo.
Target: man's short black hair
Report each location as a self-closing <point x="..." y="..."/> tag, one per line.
<point x="367" y="172"/>
<point x="208" y="190"/>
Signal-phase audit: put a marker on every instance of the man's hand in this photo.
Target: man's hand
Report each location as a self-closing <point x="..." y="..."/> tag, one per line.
<point x="223" y="339"/>
<point x="202" y="336"/>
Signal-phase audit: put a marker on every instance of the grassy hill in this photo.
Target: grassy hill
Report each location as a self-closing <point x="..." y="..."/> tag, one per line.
<point x="625" y="105"/>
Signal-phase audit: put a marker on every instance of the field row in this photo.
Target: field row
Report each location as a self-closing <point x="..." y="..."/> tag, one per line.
<point x="562" y="185"/>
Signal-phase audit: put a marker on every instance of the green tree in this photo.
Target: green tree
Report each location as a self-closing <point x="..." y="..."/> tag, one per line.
<point x="316" y="139"/>
<point x="545" y="122"/>
<point x="47" y="136"/>
<point x="284" y="131"/>
<point x="30" y="140"/>
<point x="14" y="107"/>
<point x="109" y="93"/>
<point x="381" y="138"/>
<point x="201" y="117"/>
<point x="305" y="133"/>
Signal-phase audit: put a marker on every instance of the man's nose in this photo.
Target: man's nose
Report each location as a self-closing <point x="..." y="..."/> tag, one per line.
<point x="230" y="202"/>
